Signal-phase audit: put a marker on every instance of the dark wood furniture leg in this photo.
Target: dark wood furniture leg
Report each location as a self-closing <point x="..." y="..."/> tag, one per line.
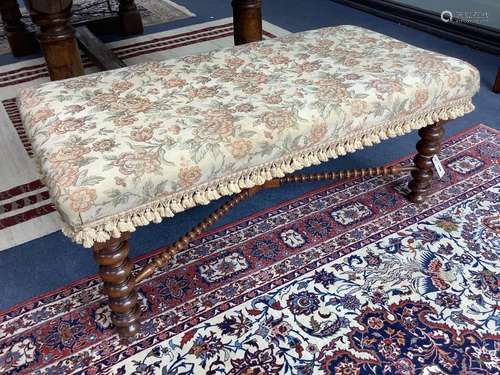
<point x="57" y="37"/>
<point x="247" y="20"/>
<point x="496" y="86"/>
<point x="130" y="18"/>
<point x="21" y="41"/>
<point x="428" y="146"/>
<point x="115" y="271"/>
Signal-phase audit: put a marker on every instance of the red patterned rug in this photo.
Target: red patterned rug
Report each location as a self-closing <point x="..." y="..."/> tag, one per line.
<point x="348" y="279"/>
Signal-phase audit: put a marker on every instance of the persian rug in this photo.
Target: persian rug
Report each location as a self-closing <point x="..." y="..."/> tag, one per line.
<point x="153" y="12"/>
<point x="347" y="279"/>
<point x="26" y="212"/>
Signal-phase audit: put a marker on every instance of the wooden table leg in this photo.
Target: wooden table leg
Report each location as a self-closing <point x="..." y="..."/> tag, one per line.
<point x="57" y="37"/>
<point x="115" y="271"/>
<point x="130" y="18"/>
<point x="247" y="20"/>
<point x="21" y="41"/>
<point x="428" y="146"/>
<point x="496" y="86"/>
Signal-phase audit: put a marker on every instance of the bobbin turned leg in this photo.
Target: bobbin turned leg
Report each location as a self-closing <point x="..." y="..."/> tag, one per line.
<point x="428" y="146"/>
<point x="57" y="37"/>
<point x="496" y="86"/>
<point x="130" y="18"/>
<point x="247" y="20"/>
<point x="115" y="271"/>
<point x="21" y="41"/>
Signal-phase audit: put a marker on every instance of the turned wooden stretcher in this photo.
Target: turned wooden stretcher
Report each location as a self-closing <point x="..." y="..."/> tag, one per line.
<point x="130" y="147"/>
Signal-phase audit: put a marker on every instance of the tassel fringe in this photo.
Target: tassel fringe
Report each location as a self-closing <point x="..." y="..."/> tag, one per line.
<point x="112" y="227"/>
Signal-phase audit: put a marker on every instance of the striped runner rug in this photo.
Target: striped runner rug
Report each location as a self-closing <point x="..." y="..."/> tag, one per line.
<point x="26" y="212"/>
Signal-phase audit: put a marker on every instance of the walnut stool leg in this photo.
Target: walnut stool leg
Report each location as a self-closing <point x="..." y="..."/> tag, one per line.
<point x="428" y="146"/>
<point x="247" y="20"/>
<point x="57" y="37"/>
<point x="496" y="86"/>
<point x="130" y="18"/>
<point x="21" y="41"/>
<point x="115" y="271"/>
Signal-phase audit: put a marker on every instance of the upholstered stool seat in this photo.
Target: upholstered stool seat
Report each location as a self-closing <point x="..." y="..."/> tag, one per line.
<point x="127" y="147"/>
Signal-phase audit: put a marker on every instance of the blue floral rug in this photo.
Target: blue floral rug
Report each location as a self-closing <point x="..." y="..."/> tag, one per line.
<point x="348" y="279"/>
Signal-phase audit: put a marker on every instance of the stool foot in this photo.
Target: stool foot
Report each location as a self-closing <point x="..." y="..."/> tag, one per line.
<point x="428" y="146"/>
<point x="115" y="271"/>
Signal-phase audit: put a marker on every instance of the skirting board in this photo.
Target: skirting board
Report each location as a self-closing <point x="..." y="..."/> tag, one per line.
<point x="474" y="35"/>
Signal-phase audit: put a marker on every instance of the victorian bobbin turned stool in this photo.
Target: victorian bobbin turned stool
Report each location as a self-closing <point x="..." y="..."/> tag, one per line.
<point x="129" y="147"/>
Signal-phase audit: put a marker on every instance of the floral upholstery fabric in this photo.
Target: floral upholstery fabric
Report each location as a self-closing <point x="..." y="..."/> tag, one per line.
<point x="127" y="147"/>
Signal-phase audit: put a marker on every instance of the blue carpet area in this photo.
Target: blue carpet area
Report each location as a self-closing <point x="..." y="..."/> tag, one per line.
<point x="54" y="261"/>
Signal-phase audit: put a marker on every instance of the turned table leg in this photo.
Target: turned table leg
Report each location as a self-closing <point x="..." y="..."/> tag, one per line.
<point x="247" y="20"/>
<point x="21" y="41"/>
<point x="57" y="37"/>
<point x="496" y="86"/>
<point x="428" y="146"/>
<point x="130" y="18"/>
<point x="115" y="271"/>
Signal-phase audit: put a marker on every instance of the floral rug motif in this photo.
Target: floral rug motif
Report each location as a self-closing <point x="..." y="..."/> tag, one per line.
<point x="347" y="279"/>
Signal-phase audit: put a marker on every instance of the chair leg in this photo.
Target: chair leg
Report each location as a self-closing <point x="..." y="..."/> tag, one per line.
<point x="496" y="86"/>
<point x="247" y="20"/>
<point x="115" y="271"/>
<point x="130" y="18"/>
<point x="21" y="41"/>
<point x="57" y="38"/>
<point x="428" y="146"/>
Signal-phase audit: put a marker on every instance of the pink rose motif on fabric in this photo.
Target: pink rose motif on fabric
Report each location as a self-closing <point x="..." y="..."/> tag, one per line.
<point x="137" y="164"/>
<point x="82" y="199"/>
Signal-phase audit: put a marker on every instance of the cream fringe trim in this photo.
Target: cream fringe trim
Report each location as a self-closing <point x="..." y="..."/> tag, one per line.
<point x="112" y="226"/>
